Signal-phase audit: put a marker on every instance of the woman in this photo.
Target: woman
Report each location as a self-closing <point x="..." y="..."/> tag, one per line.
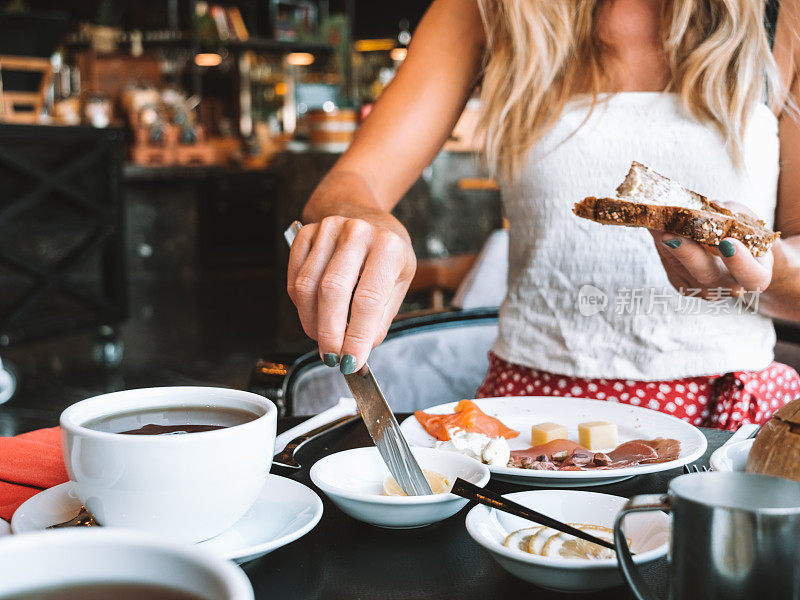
<point x="572" y="92"/>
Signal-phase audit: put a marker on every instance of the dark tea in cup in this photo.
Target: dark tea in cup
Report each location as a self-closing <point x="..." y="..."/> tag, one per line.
<point x="171" y="420"/>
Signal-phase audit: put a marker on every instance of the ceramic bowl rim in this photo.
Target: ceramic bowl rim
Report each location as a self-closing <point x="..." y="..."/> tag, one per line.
<point x="233" y="579"/>
<point x="340" y="492"/>
<point x="477" y="515"/>
<point x="724" y="452"/>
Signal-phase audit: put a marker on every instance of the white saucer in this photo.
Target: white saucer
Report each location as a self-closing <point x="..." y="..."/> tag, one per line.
<point x="284" y="511"/>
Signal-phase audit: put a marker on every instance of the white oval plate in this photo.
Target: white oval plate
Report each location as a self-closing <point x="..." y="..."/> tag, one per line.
<point x="732" y="457"/>
<point x="284" y="511"/>
<point x="523" y="412"/>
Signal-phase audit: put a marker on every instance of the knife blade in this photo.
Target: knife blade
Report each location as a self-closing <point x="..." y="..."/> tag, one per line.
<point x="381" y="423"/>
<point x="385" y="432"/>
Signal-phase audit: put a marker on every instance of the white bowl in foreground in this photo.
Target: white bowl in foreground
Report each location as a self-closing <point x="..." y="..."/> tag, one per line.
<point x="732" y="457"/>
<point x="68" y="557"/>
<point x="648" y="532"/>
<point x="353" y="480"/>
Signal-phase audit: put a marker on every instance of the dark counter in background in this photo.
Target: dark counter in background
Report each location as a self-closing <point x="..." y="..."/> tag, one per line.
<point x="204" y="258"/>
<point x="185" y="221"/>
<point x="62" y="248"/>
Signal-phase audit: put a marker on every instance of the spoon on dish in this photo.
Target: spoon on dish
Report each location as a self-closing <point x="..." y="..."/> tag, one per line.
<point x="470" y="491"/>
<point x="83" y="519"/>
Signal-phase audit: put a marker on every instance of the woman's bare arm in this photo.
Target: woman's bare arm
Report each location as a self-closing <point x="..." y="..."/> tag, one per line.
<point x="776" y="274"/>
<point x="353" y="249"/>
<point x="782" y="298"/>
<point x="415" y="114"/>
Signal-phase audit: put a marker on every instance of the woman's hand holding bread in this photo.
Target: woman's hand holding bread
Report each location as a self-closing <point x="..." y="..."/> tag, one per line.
<point x="730" y="266"/>
<point x="690" y="266"/>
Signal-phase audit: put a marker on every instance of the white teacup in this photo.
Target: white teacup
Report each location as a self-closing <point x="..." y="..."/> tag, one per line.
<point x="189" y="487"/>
<point x="73" y="557"/>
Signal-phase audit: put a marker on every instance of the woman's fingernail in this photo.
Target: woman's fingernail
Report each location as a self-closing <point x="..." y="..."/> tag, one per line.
<point x="727" y="249"/>
<point x="673" y="243"/>
<point x="348" y="364"/>
<point x="330" y="359"/>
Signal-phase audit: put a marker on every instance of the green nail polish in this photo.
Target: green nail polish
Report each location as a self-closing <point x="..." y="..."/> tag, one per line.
<point x="348" y="364"/>
<point x="727" y="249"/>
<point x="673" y="243"/>
<point x="330" y="359"/>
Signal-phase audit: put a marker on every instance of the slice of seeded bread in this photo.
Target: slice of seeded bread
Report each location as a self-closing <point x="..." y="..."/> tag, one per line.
<point x="647" y="199"/>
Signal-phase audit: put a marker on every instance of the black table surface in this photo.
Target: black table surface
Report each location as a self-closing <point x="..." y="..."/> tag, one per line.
<point x="345" y="558"/>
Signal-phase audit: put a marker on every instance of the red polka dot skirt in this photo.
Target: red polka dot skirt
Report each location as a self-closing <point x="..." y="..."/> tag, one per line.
<point x="720" y="401"/>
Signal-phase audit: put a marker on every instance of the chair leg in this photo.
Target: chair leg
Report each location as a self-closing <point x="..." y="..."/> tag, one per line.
<point x="267" y="379"/>
<point x="437" y="298"/>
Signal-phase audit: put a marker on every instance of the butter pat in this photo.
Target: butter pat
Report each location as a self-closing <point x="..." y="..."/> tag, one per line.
<point x="439" y="483"/>
<point x="597" y="435"/>
<point x="547" y="432"/>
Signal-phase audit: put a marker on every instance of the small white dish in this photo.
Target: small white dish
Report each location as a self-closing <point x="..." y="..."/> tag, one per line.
<point x="353" y="480"/>
<point x="731" y="457"/>
<point x="648" y="532"/>
<point x="522" y="412"/>
<point x="284" y="511"/>
<point x="5" y="528"/>
<point x="54" y="559"/>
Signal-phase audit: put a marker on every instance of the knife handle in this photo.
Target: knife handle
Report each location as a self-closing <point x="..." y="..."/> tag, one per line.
<point x="343" y="408"/>
<point x="301" y="440"/>
<point x="291" y="232"/>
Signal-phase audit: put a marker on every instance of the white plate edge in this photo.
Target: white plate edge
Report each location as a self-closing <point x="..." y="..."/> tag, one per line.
<point x="255" y="550"/>
<point x="572" y="475"/>
<point x="266" y="547"/>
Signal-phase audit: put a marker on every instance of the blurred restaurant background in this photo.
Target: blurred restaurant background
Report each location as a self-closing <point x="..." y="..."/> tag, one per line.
<point x="151" y="155"/>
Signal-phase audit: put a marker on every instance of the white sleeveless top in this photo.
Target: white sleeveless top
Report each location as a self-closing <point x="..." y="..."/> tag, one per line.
<point x="646" y="330"/>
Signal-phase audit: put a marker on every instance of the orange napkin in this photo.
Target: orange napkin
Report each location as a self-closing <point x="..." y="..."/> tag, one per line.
<point x="29" y="463"/>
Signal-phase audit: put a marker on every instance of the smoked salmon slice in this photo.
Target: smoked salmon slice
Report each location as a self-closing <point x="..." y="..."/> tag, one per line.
<point x="468" y="417"/>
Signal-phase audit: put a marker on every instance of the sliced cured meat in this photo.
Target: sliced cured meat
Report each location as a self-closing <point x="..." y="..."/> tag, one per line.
<point x="633" y="452"/>
<point x="566" y="455"/>
<point x="548" y="450"/>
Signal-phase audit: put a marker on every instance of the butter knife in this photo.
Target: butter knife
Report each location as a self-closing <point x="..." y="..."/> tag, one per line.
<point x="381" y="423"/>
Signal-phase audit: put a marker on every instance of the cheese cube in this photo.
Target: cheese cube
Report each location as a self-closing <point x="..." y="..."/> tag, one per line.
<point x="547" y="432"/>
<point x="597" y="435"/>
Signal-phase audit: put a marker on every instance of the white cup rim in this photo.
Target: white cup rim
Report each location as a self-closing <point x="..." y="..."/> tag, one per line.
<point x="232" y="579"/>
<point x="74" y="417"/>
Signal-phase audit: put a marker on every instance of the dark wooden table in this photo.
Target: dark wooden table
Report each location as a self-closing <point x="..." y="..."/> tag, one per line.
<point x="348" y="559"/>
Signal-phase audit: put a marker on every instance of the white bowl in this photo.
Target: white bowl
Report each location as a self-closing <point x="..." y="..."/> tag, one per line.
<point x="732" y="457"/>
<point x="648" y="532"/>
<point x="353" y="480"/>
<point x="187" y="487"/>
<point x="49" y="559"/>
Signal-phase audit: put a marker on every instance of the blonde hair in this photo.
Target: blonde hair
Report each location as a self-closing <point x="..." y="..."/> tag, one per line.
<point x="541" y="53"/>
